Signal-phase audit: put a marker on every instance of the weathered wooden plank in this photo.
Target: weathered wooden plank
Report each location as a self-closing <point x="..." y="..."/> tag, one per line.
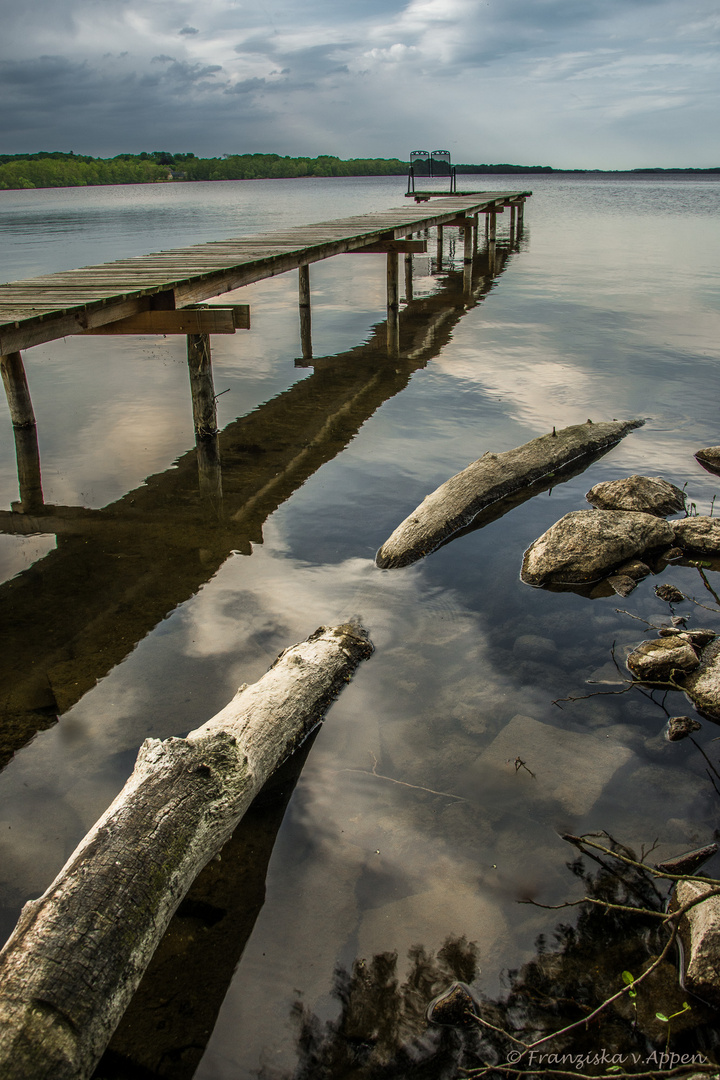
<point x="407" y="247"/>
<point x="182" y="321"/>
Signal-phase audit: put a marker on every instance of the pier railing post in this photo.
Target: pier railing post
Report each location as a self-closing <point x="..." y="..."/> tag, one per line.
<point x="305" y="311"/>
<point x="201" y="385"/>
<point x="25" y="433"/>
<point x="393" y="304"/>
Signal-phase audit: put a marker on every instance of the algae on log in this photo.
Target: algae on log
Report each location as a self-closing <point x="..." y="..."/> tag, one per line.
<point x="77" y="953"/>
<point x="493" y="476"/>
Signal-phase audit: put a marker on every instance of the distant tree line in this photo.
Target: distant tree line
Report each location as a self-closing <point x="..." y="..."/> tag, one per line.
<point x="57" y="169"/>
<point x="60" y="169"/>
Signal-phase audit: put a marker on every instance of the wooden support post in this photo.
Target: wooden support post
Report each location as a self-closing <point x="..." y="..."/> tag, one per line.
<point x="17" y="390"/>
<point x="520" y="215"/>
<point x="475" y="234"/>
<point x="305" y="311"/>
<point x="78" y="952"/>
<point x="513" y="214"/>
<point x="25" y="432"/>
<point x="408" y="273"/>
<point x="440" y="238"/>
<point x="492" y="226"/>
<point x="201" y="385"/>
<point x="487" y="225"/>
<point x="393" y="305"/>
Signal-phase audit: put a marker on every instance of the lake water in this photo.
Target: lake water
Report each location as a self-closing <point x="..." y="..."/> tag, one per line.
<point x="409" y="828"/>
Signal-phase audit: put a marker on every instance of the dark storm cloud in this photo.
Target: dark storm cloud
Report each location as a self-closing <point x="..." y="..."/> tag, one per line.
<point x="526" y="80"/>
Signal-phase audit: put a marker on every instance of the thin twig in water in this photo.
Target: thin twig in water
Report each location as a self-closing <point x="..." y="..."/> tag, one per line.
<point x="519" y="764"/>
<point x="706" y="583"/>
<point x="402" y="783"/>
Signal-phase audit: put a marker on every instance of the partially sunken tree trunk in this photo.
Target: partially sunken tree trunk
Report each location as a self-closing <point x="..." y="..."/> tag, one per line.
<point x="78" y="953"/>
<point x="494" y="476"/>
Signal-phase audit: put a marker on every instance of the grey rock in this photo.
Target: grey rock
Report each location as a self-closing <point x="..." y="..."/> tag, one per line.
<point x="703" y="685"/>
<point x="672" y="554"/>
<point x="622" y="584"/>
<point x="698" y="637"/>
<point x="700" y="933"/>
<point x="689" y="861"/>
<point x="634" y="568"/>
<point x="679" y="727"/>
<point x="709" y="458"/>
<point x="669" y="593"/>
<point x="698" y="534"/>
<point x="585" y="545"/>
<point x="648" y="494"/>
<point x="535" y="647"/>
<point x="654" y="661"/>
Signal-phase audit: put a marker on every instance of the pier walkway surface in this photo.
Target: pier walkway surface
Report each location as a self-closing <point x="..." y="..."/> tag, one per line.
<point x="52" y="306"/>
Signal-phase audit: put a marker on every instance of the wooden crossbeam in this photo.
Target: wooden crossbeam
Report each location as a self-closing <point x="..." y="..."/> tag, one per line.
<point x="184" y="321"/>
<point x="240" y="312"/>
<point x="403" y="247"/>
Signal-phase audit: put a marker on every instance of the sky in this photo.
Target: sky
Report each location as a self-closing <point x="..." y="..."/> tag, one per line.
<point x="570" y="83"/>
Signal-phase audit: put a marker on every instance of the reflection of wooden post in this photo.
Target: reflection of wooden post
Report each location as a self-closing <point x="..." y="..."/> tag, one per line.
<point x="440" y="235"/>
<point x="491" y="257"/>
<point x="408" y="273"/>
<point x="209" y="470"/>
<point x="25" y="432"/>
<point x="28" y="467"/>
<point x="305" y="311"/>
<point x="467" y="258"/>
<point x="393" y="306"/>
<point x="201" y="384"/>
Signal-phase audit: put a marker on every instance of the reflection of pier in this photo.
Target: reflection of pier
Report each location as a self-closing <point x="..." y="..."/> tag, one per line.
<point x="118" y="571"/>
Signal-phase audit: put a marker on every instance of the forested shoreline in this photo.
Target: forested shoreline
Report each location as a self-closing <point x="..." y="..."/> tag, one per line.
<point x="60" y="169"/>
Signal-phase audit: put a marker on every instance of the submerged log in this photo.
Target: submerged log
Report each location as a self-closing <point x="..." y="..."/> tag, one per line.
<point x="79" y="951"/>
<point x="494" y="476"/>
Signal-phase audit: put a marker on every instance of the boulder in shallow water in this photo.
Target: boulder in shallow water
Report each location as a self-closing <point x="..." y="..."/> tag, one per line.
<point x="669" y="594"/>
<point x="703" y="685"/>
<point x="648" y="494"/>
<point x="585" y="545"/>
<point x="709" y="458"/>
<point x="679" y="727"/>
<point x="700" y="533"/>
<point x="700" y="933"/>
<point x="654" y="661"/>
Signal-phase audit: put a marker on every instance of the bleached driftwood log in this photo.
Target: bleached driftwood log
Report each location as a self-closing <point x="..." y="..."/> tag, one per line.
<point x="77" y="953"/>
<point x="493" y="476"/>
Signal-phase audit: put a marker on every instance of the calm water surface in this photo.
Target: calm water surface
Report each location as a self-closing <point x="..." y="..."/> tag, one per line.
<point x="409" y="826"/>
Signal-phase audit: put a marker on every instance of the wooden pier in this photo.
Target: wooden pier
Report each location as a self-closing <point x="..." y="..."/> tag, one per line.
<point x="164" y="293"/>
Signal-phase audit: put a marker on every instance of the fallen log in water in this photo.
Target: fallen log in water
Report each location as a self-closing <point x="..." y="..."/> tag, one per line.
<point x="77" y="953"/>
<point x="494" y="476"/>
